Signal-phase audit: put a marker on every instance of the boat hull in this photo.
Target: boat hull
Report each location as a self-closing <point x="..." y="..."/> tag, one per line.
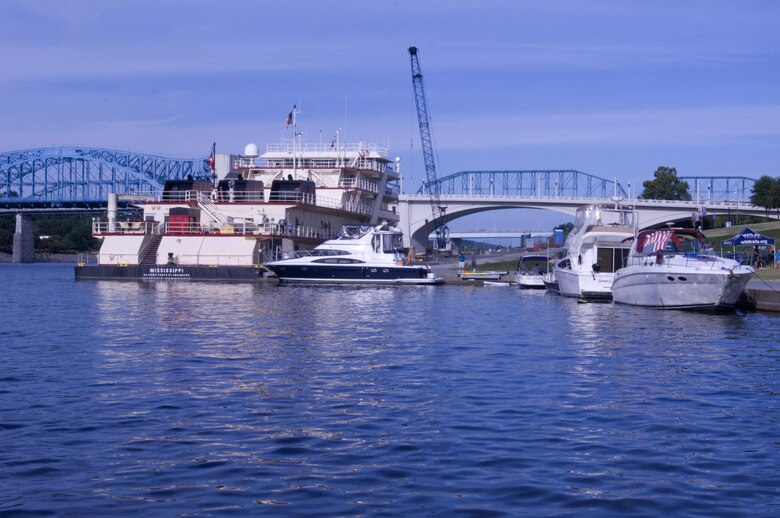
<point x="530" y="282"/>
<point x="338" y="274"/>
<point x="181" y="273"/>
<point x="584" y="285"/>
<point x="663" y="288"/>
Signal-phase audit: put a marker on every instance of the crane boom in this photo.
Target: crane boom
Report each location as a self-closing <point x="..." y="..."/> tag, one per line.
<point x="432" y="185"/>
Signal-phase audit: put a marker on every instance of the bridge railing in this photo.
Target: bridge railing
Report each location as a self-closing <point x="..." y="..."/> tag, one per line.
<point x="587" y="201"/>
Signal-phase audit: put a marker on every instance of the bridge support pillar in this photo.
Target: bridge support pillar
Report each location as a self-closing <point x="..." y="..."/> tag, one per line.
<point x="24" y="243"/>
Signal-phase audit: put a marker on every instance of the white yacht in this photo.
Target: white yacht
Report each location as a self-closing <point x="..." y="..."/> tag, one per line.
<point x="596" y="248"/>
<point x="361" y="254"/>
<point x="675" y="268"/>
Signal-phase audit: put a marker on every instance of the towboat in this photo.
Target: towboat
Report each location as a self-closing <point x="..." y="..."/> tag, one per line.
<point x="360" y="254"/>
<point x="227" y="221"/>
<point x="675" y="268"/>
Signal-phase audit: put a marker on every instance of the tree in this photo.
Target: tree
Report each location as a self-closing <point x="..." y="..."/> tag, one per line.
<point x="566" y="227"/>
<point x="766" y="192"/>
<point x="665" y="186"/>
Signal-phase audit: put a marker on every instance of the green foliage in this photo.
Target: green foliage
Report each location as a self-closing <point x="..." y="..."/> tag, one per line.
<point x="68" y="233"/>
<point x="665" y="186"/>
<point x="566" y="227"/>
<point x="7" y="229"/>
<point x="766" y="192"/>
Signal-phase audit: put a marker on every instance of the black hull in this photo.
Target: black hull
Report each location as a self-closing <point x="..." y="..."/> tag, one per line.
<point x="338" y="274"/>
<point x="182" y="273"/>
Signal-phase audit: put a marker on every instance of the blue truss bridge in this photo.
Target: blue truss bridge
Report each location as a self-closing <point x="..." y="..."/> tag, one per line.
<point x="576" y="184"/>
<point x="82" y="177"/>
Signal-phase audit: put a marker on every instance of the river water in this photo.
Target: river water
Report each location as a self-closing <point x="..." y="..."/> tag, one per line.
<point x="131" y="398"/>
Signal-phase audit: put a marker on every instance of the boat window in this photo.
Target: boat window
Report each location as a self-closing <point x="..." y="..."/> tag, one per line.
<point x="392" y="242"/>
<point x="336" y="260"/>
<point x="611" y="259"/>
<point x="328" y="252"/>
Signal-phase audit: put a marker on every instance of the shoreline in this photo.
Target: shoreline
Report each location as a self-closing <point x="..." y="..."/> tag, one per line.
<point x="760" y="294"/>
<point x="44" y="258"/>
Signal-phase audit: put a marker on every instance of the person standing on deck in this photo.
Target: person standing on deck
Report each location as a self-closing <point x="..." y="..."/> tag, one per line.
<point x="461" y="263"/>
<point x="474" y="262"/>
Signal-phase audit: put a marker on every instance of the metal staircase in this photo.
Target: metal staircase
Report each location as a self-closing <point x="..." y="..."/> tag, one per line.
<point x="211" y="209"/>
<point x="150" y="255"/>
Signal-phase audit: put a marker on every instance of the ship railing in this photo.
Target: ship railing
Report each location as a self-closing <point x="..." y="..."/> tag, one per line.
<point x="248" y="227"/>
<point x="100" y="227"/>
<point x="291" y="197"/>
<point x="322" y="147"/>
<point x="87" y="259"/>
<point x="359" y="183"/>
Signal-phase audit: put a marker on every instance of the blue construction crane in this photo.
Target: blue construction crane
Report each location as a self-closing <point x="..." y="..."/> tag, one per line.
<point x="433" y="187"/>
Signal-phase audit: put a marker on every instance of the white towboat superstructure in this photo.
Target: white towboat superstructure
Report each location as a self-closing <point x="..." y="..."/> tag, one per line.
<point x="361" y="254"/>
<point x="675" y="268"/>
<point x="254" y="209"/>
<point x="596" y="248"/>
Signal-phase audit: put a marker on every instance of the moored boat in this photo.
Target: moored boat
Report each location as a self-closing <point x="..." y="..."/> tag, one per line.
<point x="531" y="270"/>
<point x="253" y="210"/>
<point x="487" y="275"/>
<point x="361" y="254"/>
<point x="675" y="268"/>
<point x="595" y="249"/>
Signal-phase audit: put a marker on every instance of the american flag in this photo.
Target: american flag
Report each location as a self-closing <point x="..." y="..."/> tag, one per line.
<point x="212" y="163"/>
<point x="289" y="119"/>
<point x="657" y="241"/>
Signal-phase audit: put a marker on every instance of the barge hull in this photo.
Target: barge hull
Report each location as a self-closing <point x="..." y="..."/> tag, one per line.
<point x="185" y="273"/>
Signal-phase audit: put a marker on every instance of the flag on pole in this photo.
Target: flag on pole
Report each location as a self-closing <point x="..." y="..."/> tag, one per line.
<point x="657" y="241"/>
<point x="290" y="119"/>
<point x="212" y="158"/>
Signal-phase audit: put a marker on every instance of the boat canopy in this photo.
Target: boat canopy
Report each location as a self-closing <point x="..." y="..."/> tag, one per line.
<point x="672" y="241"/>
<point x="749" y="237"/>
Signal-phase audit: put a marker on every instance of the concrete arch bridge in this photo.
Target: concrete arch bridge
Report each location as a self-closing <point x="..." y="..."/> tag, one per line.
<point x="471" y="192"/>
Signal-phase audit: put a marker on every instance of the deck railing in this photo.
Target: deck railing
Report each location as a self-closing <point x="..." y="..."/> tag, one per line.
<point x="290" y="197"/>
<point x="245" y="227"/>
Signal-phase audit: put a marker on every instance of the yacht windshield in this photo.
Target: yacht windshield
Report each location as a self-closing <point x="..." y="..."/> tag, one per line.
<point x="354" y="231"/>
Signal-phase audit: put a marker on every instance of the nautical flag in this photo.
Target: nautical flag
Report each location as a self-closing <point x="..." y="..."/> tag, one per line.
<point x="212" y="158"/>
<point x="657" y="241"/>
<point x="290" y="119"/>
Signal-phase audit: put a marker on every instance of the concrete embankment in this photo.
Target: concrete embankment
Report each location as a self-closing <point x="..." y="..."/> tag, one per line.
<point x="762" y="295"/>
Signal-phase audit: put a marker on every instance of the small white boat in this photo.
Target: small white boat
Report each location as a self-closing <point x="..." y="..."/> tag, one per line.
<point x="496" y="283"/>
<point x="531" y="270"/>
<point x="676" y="269"/>
<point x="481" y="276"/>
<point x="361" y="254"/>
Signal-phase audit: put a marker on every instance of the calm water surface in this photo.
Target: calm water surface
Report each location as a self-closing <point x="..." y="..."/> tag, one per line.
<point x="125" y="398"/>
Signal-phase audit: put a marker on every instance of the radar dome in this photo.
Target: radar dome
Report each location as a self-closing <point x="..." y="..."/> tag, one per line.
<point x="251" y="151"/>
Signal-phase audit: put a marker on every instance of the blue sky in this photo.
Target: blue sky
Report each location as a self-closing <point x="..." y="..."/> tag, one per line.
<point x="612" y="88"/>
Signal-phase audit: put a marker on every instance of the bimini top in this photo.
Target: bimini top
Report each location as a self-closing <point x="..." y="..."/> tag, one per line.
<point x="683" y="241"/>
